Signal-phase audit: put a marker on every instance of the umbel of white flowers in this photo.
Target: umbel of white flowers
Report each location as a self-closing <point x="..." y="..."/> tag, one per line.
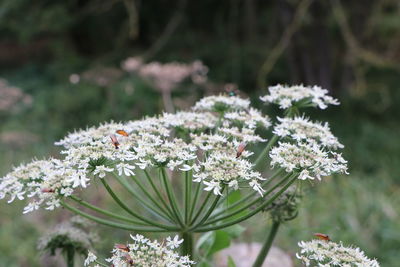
<point x="323" y="253"/>
<point x="203" y="141"/>
<point x="145" y="253"/>
<point x="76" y="234"/>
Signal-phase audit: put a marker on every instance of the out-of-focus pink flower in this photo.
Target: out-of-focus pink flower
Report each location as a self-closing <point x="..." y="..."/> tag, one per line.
<point x="12" y="98"/>
<point x="166" y="77"/>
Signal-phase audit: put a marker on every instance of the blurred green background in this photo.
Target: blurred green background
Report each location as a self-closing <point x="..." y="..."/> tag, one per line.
<point x="60" y="65"/>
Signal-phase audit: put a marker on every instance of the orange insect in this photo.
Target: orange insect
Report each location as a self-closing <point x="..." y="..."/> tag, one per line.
<point x="322" y="236"/>
<point x="122" y="132"/>
<point x="48" y="190"/>
<point x="114" y="140"/>
<point x="122" y="247"/>
<point x="240" y="149"/>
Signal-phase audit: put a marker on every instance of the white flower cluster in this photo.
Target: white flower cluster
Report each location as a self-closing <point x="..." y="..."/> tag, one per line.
<point x="303" y="130"/>
<point x="323" y="253"/>
<point x="222" y="103"/>
<point x="308" y="159"/>
<point x="250" y="118"/>
<point x="287" y="96"/>
<point x="146" y="253"/>
<point x="200" y="140"/>
<point x="221" y="169"/>
<point x="75" y="232"/>
<point x="42" y="180"/>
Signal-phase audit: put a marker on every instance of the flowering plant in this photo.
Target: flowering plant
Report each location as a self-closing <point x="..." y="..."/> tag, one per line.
<point x="327" y="253"/>
<point x="180" y="167"/>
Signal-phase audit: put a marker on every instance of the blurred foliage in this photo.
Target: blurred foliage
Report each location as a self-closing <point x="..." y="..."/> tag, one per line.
<point x="349" y="47"/>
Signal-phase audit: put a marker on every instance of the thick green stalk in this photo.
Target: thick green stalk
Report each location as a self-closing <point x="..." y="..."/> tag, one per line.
<point x="111" y="223"/>
<point x="265" y="151"/>
<point x="123" y="206"/>
<point x="70" y="256"/>
<point x="105" y="212"/>
<point x="267" y="245"/>
<point x="187" y="246"/>
<point x="250" y="214"/>
<point x="171" y="197"/>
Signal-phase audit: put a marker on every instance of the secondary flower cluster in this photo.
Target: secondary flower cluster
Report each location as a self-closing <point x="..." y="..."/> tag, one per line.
<point x="287" y="96"/>
<point x="308" y="159"/>
<point x="145" y="253"/>
<point x="327" y="253"/>
<point x="222" y="103"/>
<point x="202" y="140"/>
<point x="303" y="130"/>
<point x="75" y="233"/>
<point x="42" y="180"/>
<point x="305" y="147"/>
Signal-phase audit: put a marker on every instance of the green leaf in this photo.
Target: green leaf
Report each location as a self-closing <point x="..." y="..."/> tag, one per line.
<point x="231" y="262"/>
<point x="234" y="196"/>
<point x="234" y="231"/>
<point x="222" y="240"/>
<point x="204" y="264"/>
<point x="206" y="241"/>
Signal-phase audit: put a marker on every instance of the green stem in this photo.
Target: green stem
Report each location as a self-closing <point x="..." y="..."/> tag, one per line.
<point x="187" y="246"/>
<point x="251" y="203"/>
<point x="157" y="191"/>
<point x="123" y="206"/>
<point x="244" y="199"/>
<point x="194" y="201"/>
<point x="111" y="223"/>
<point x="265" y="151"/>
<point x="188" y="193"/>
<point x="210" y="210"/>
<point x="210" y="193"/>
<point x="159" y="213"/>
<point x="171" y="196"/>
<point x="104" y="212"/>
<point x="70" y="256"/>
<point x="250" y="214"/>
<point x="267" y="245"/>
